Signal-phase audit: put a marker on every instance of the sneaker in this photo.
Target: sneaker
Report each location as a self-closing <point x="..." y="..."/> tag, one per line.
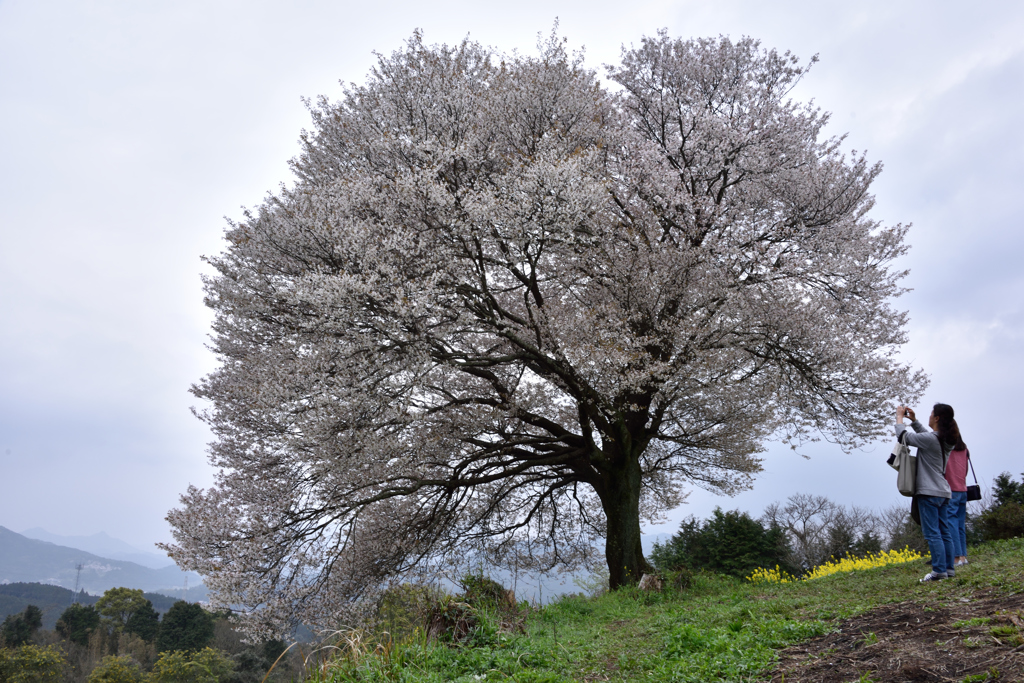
<point x="960" y="563"/>
<point x="950" y="573"/>
<point x="932" y="576"/>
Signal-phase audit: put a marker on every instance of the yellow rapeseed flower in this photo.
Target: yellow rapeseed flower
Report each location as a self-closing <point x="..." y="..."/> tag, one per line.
<point x="776" y="575"/>
<point x="834" y="566"/>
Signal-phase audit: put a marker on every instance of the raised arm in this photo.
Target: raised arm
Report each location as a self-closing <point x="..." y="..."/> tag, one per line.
<point x="912" y="438"/>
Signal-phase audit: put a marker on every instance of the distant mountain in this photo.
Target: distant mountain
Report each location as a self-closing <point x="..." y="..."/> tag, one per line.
<point x="103" y="545"/>
<point x="28" y="560"/>
<point x="53" y="600"/>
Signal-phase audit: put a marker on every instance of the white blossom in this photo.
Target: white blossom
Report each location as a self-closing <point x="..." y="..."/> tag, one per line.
<point x="507" y="309"/>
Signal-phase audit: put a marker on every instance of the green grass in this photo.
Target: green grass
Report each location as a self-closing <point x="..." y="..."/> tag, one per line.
<point x="718" y="629"/>
<point x="970" y="623"/>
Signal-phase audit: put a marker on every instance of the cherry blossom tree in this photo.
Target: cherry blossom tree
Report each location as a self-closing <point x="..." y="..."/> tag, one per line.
<point x="506" y="308"/>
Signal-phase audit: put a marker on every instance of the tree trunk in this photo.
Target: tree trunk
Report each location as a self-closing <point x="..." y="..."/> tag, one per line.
<point x="620" y="498"/>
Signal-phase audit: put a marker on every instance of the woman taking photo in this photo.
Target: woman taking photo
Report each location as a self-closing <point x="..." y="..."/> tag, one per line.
<point x="933" y="494"/>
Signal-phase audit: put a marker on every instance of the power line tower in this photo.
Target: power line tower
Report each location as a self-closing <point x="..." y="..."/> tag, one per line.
<point x="78" y="575"/>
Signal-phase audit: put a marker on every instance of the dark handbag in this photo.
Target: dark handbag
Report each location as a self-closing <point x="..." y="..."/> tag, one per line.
<point x="915" y="512"/>
<point x="973" y="490"/>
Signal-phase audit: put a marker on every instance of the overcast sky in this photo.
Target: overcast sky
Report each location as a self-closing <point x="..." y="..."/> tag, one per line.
<point x="129" y="130"/>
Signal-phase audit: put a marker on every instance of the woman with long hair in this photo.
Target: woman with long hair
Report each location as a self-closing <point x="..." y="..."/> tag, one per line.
<point x="956" y="477"/>
<point x="933" y="493"/>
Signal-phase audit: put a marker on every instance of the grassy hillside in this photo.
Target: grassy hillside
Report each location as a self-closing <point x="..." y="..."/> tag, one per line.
<point x="872" y="625"/>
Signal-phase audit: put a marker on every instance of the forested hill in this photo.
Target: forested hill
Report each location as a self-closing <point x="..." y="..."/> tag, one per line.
<point x="53" y="600"/>
<point x="27" y="560"/>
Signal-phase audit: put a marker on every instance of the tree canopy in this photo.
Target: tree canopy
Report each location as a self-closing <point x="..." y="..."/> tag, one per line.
<point x="144" y="622"/>
<point x="77" y="623"/>
<point x="119" y="606"/>
<point x="186" y="627"/>
<point x="17" y="629"/>
<point x="507" y="308"/>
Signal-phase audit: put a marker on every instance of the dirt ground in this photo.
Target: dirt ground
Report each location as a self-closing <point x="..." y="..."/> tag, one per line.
<point x="912" y="642"/>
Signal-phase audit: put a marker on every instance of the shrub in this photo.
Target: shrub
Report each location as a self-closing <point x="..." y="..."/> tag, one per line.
<point x="490" y="599"/>
<point x="252" y="661"/>
<point x="1002" y="522"/>
<point x="676" y="552"/>
<point x="141" y="651"/>
<point x="681" y="579"/>
<point x="482" y="591"/>
<point x="205" y="666"/>
<point x="31" y="664"/>
<point x="1005" y="518"/>
<point x="729" y="543"/>
<point x="403" y="609"/>
<point x="452" y="621"/>
<point x="121" y="669"/>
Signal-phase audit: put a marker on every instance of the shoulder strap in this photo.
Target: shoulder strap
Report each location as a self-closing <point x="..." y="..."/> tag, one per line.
<point x="971" y="465"/>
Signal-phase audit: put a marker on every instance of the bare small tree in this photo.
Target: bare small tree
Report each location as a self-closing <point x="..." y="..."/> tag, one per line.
<point x="807" y="519"/>
<point x="819" y="528"/>
<point x="893" y="519"/>
<point x="900" y="529"/>
<point x="503" y="308"/>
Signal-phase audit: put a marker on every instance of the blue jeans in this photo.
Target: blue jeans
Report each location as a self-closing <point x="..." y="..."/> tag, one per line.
<point x="956" y="513"/>
<point x="936" y="530"/>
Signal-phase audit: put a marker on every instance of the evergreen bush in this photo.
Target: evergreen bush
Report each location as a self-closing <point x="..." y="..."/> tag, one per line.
<point x="1005" y="518"/>
<point x="728" y="543"/>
